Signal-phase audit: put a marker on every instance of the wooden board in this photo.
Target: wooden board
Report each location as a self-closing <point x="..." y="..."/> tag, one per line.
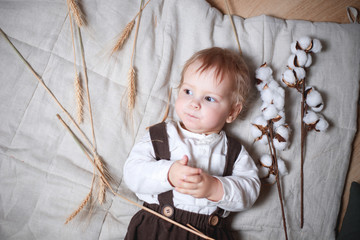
<point x="310" y="10"/>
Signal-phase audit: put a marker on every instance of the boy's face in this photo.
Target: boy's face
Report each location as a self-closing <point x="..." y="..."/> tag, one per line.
<point x="204" y="105"/>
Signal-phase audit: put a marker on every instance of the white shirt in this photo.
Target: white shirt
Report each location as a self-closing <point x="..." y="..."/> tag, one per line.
<point x="147" y="177"/>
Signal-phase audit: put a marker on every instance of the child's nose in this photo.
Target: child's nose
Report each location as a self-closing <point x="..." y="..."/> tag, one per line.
<point x="195" y="104"/>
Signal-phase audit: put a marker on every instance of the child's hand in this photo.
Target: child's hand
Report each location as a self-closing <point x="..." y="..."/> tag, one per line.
<point x="194" y="182"/>
<point x="202" y="185"/>
<point x="179" y="171"/>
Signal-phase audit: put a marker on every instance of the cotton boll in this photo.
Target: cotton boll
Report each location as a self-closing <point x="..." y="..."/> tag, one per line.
<point x="255" y="131"/>
<point x="291" y="61"/>
<point x="270" y="179"/>
<point x="299" y="73"/>
<point x="263" y="73"/>
<point x="310" y="117"/>
<point x="279" y="145"/>
<point x="314" y="99"/>
<point x="269" y="111"/>
<point x="266" y="160"/>
<point x="282" y="167"/>
<point x="283" y="131"/>
<point x="308" y="61"/>
<point x="322" y="125"/>
<point x="279" y="102"/>
<point x="264" y="140"/>
<point x="293" y="47"/>
<point x="263" y="172"/>
<point x="289" y="78"/>
<point x="304" y="42"/>
<point x="279" y="119"/>
<point x="267" y="95"/>
<point x="301" y="58"/>
<point x="259" y="120"/>
<point x="316" y="46"/>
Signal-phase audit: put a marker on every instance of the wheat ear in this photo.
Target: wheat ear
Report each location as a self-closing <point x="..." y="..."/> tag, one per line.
<point x="79" y="98"/>
<point x="83" y="203"/>
<point x="75" y="10"/>
<point x="131" y="88"/>
<point x="102" y="186"/>
<point x="123" y="36"/>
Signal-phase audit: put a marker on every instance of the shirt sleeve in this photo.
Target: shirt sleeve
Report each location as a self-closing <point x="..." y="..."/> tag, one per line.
<point x="143" y="174"/>
<point x="242" y="188"/>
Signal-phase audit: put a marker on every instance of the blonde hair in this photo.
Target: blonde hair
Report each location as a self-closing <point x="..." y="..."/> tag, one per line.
<point x="225" y="63"/>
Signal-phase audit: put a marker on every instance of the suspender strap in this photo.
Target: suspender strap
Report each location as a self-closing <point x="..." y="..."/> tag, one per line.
<point x="233" y="151"/>
<point x="159" y="140"/>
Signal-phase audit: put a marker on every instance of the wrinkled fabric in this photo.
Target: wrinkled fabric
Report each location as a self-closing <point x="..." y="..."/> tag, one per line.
<point x="45" y="176"/>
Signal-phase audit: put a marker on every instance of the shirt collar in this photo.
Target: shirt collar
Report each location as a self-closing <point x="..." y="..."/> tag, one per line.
<point x="201" y="138"/>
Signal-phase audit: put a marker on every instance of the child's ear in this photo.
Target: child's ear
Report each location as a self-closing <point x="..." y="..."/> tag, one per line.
<point x="235" y="111"/>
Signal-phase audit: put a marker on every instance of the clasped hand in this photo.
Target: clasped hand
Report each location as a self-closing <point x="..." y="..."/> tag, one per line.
<point x="194" y="182"/>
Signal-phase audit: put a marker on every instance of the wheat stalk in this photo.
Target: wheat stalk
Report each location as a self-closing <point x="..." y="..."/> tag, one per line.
<point x="233" y="26"/>
<point x="79" y="99"/>
<point x="75" y="10"/>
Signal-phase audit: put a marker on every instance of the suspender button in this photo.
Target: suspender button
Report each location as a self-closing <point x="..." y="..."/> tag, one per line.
<point x="213" y="220"/>
<point x="167" y="211"/>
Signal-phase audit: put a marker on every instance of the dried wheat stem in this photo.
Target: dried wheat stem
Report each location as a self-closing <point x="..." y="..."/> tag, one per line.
<point x="122" y="197"/>
<point x="75" y="10"/>
<point x="233" y="26"/>
<point x="87" y="88"/>
<point x="77" y="83"/>
<point x="42" y="83"/>
<point x="79" y="99"/>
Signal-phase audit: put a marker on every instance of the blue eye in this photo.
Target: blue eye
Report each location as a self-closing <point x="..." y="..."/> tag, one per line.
<point x="209" y="99"/>
<point x="188" y="92"/>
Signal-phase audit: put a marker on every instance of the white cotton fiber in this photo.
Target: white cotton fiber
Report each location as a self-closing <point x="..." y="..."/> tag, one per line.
<point x="289" y="77"/>
<point x="269" y="111"/>
<point x="300" y="73"/>
<point x="279" y="120"/>
<point x="314" y="99"/>
<point x="267" y="95"/>
<point x="266" y="160"/>
<point x="279" y="145"/>
<point x="310" y="117"/>
<point x="259" y="120"/>
<point x="322" y="125"/>
<point x="293" y="47"/>
<point x="283" y="131"/>
<point x="316" y="46"/>
<point x="301" y="58"/>
<point x="263" y="73"/>
<point x="282" y="167"/>
<point x="304" y="42"/>
<point x="279" y="102"/>
<point x="264" y="140"/>
<point x="308" y="61"/>
<point x="271" y="179"/>
<point x="291" y="61"/>
<point x="263" y="171"/>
